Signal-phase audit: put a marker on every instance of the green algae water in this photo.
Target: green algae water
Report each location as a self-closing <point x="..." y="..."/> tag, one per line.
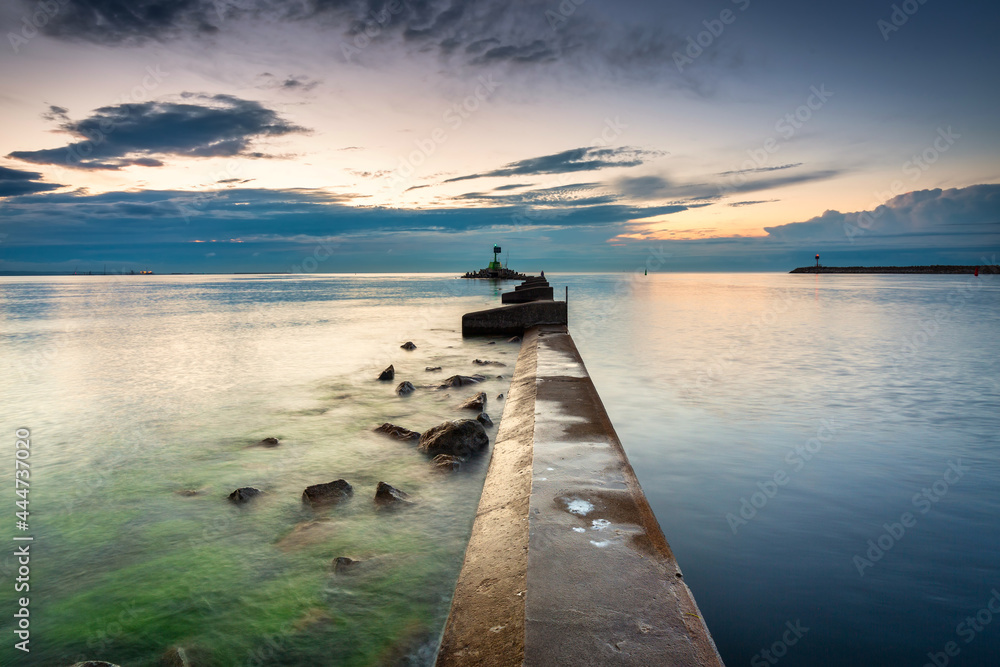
<point x="145" y="397"/>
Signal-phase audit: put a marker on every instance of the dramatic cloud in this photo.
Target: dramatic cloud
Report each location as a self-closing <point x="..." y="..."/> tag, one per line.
<point x="474" y="32"/>
<point x="144" y="134"/>
<point x="577" y="159"/>
<point x="16" y="182"/>
<point x="645" y="188"/>
<point x="957" y="216"/>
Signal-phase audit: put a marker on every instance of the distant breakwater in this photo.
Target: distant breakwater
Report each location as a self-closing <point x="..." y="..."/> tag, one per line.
<point x="932" y="269"/>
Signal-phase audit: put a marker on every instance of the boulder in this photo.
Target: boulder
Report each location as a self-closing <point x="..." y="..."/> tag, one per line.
<point x="481" y="362"/>
<point x="408" y="345"/>
<point x="388" y="375"/>
<point x="484" y="419"/>
<point x="397" y="432"/>
<point x="462" y="380"/>
<point x="477" y="403"/>
<point x="462" y="437"/>
<point x="327" y="494"/>
<point x="405" y="388"/>
<point x="268" y="442"/>
<point x="431" y="369"/>
<point x="447" y="462"/>
<point x="499" y="397"/>
<point x="244" y="494"/>
<point x="389" y="496"/>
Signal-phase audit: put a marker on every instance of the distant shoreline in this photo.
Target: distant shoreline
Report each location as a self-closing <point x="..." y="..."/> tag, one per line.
<point x="934" y="269"/>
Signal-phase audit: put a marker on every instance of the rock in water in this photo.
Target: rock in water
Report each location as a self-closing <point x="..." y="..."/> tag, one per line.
<point x="242" y="495"/>
<point x="387" y="496"/>
<point x="461" y="380"/>
<point x="327" y="494"/>
<point x="447" y="462"/>
<point x="499" y="397"/>
<point x="388" y="375"/>
<point x="515" y="339"/>
<point x="462" y="437"/>
<point x="405" y="388"/>
<point x="175" y="656"/>
<point x="268" y="442"/>
<point x="484" y="419"/>
<point x="343" y="564"/>
<point x="482" y="362"/>
<point x="397" y="432"/>
<point x="408" y="345"/>
<point x="477" y="402"/>
<point x="431" y="369"/>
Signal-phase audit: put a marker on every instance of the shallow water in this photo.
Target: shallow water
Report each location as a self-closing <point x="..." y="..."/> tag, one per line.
<point x="144" y="396"/>
<point x="139" y="388"/>
<point x="714" y="380"/>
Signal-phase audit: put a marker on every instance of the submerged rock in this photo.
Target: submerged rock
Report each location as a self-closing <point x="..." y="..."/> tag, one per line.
<point x="477" y="403"/>
<point x="515" y="339"/>
<point x="244" y="494"/>
<point x="397" y="432"/>
<point x="388" y="375"/>
<point x="447" y="462"/>
<point x="343" y="564"/>
<point x="389" y="496"/>
<point x="484" y="419"/>
<point x="327" y="494"/>
<point x="483" y="362"/>
<point x="175" y="656"/>
<point x="408" y="345"/>
<point x="405" y="388"/>
<point x="462" y="380"/>
<point x="463" y="438"/>
<point x="431" y="369"/>
<point x="268" y="442"/>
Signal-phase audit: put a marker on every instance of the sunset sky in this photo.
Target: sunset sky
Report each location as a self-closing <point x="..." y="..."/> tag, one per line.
<point x="342" y="135"/>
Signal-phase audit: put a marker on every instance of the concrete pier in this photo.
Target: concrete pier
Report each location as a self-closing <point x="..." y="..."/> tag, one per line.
<point x="566" y="564"/>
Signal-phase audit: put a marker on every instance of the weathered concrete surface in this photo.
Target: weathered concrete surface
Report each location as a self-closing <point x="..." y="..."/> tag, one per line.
<point x="600" y="584"/>
<point x="486" y="623"/>
<point x="512" y="320"/>
<point x="526" y="295"/>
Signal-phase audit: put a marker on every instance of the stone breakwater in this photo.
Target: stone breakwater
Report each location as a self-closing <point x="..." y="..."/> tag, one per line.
<point x="935" y="269"/>
<point x="566" y="564"/>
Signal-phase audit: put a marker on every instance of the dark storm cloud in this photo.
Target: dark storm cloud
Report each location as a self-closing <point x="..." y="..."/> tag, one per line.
<point x="926" y="216"/>
<point x="577" y="159"/>
<point x="123" y="135"/>
<point x="16" y="182"/>
<point x="479" y="32"/>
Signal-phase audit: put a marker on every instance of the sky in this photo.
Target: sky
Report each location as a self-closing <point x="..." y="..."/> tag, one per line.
<point x="580" y="135"/>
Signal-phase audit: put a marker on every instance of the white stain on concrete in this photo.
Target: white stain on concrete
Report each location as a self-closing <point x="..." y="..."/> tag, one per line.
<point x="600" y="524"/>
<point x="601" y="544"/>
<point x="579" y="530"/>
<point x="578" y="506"/>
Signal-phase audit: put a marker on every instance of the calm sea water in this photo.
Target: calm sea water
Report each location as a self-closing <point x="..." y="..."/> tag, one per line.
<point x="717" y="382"/>
<point x="143" y="396"/>
<point x="828" y="404"/>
